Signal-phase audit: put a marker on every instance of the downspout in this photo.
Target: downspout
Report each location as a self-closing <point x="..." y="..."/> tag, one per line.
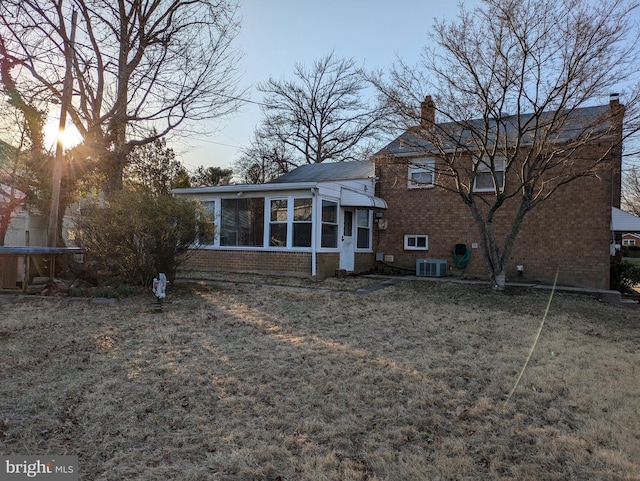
<point x="314" y="237"/>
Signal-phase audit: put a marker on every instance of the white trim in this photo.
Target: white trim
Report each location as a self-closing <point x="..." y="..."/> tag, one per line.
<point x="415" y="246"/>
<point x="421" y="166"/>
<point x="351" y="198"/>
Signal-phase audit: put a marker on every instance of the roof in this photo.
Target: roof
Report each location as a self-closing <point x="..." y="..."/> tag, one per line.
<point x="622" y="221"/>
<point x="8" y="194"/>
<point x="576" y="123"/>
<point x="328" y="172"/>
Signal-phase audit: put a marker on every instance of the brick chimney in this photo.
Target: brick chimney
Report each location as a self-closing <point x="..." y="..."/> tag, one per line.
<point x="614" y="99"/>
<point x="427" y="112"/>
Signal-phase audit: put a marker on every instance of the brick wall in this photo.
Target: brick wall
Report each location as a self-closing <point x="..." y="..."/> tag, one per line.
<point x="270" y="262"/>
<point x="569" y="233"/>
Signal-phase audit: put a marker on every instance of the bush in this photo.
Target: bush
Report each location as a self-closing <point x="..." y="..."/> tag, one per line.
<point x="631" y="251"/>
<point x="624" y="275"/>
<point x="136" y="235"/>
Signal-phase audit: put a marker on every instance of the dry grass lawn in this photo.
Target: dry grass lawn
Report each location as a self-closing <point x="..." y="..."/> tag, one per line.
<point x="248" y="381"/>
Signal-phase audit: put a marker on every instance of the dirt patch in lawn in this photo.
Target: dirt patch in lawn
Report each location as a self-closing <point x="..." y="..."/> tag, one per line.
<point x="252" y="381"/>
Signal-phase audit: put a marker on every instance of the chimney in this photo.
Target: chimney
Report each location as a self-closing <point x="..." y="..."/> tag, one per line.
<point x="427" y="112"/>
<point x="614" y="99"/>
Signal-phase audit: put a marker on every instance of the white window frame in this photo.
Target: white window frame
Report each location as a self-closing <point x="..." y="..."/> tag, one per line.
<point x="294" y="222"/>
<point x="335" y="225"/>
<point x="284" y="222"/>
<point x="212" y="213"/>
<point x="483" y="167"/>
<point x="628" y="242"/>
<point x="418" y="167"/>
<point x="368" y="228"/>
<point x="411" y="242"/>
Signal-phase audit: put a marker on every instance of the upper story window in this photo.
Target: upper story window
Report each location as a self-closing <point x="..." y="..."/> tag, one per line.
<point x="421" y="173"/>
<point x="484" y="176"/>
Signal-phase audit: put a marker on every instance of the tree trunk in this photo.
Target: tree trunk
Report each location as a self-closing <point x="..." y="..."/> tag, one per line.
<point x="497" y="257"/>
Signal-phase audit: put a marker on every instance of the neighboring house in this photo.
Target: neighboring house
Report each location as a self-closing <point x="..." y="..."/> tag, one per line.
<point x="625" y="227"/>
<point x="630" y="239"/>
<point x="323" y="217"/>
<point x="309" y="222"/>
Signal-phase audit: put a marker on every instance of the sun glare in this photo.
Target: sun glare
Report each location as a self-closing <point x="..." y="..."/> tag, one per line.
<point x="70" y="137"/>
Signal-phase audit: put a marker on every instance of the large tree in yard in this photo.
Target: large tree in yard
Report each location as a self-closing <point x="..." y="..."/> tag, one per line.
<point x="141" y="69"/>
<point x="322" y="113"/>
<point x="499" y="99"/>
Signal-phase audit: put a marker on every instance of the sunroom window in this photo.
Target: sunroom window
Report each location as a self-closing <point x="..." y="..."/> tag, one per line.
<point x="302" y="219"/>
<point x="278" y="223"/>
<point x="364" y="229"/>
<point x="242" y="222"/>
<point x="209" y="212"/>
<point x="329" y="224"/>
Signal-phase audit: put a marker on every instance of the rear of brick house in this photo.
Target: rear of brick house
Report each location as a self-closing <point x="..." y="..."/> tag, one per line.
<point x="570" y="233"/>
<point x="398" y="222"/>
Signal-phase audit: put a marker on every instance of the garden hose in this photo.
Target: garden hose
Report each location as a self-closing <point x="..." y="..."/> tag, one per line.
<point x="461" y="261"/>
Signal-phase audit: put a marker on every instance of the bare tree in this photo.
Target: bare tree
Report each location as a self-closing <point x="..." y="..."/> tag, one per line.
<point x="631" y="191"/>
<point x="141" y="69"/>
<point x="265" y="159"/>
<point x="509" y="80"/>
<point x="322" y="113"/>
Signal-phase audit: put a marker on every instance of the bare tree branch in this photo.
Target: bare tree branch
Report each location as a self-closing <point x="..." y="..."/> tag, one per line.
<point x="142" y="69"/>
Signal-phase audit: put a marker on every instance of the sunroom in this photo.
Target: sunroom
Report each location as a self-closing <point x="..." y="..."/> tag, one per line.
<point x="303" y="227"/>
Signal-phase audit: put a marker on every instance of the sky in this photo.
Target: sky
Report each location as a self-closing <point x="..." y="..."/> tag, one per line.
<point x="277" y="34"/>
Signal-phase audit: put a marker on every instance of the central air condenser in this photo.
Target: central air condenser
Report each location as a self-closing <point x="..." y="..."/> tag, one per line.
<point x="431" y="267"/>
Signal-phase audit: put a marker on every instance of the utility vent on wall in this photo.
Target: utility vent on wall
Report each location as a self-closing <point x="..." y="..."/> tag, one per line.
<point x="431" y="267"/>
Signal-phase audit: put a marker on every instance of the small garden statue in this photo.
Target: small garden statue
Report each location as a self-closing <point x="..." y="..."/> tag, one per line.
<point x="159" y="288"/>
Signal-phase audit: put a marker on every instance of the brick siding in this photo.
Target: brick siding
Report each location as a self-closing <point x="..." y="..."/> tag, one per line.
<point x="569" y="233"/>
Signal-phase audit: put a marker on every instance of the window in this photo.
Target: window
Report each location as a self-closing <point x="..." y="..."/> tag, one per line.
<point x="484" y="178"/>
<point x="363" y="229"/>
<point x="209" y="212"/>
<point x="628" y="242"/>
<point x="414" y="242"/>
<point x="278" y="223"/>
<point x="329" y="224"/>
<point x="242" y="222"/>
<point x="421" y="173"/>
<point x="302" y="217"/>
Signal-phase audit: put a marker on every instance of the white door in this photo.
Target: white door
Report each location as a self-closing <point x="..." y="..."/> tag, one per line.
<point x="347" y="244"/>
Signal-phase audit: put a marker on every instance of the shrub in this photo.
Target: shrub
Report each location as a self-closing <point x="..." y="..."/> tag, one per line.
<point x="631" y="251"/>
<point x="136" y="235"/>
<point x="624" y="275"/>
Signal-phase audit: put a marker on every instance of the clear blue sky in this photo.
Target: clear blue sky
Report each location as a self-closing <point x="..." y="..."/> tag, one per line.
<point x="278" y="33"/>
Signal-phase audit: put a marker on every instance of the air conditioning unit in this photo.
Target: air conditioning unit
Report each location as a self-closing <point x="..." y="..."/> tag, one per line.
<point x="431" y="267"/>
